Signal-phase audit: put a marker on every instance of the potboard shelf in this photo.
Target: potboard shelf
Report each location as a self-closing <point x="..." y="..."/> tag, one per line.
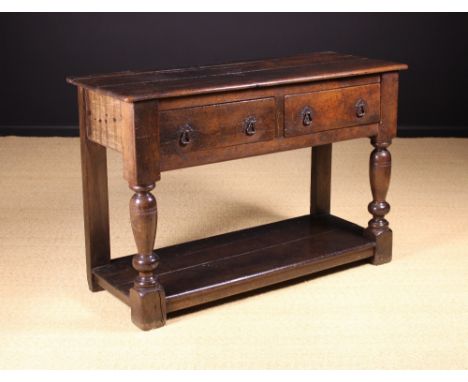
<point x="210" y="269"/>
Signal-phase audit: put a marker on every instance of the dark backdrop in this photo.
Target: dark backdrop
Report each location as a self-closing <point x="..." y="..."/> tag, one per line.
<point x="39" y="50"/>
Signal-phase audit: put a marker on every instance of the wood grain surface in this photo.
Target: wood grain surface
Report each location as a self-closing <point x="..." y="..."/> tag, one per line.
<point x="210" y="269"/>
<point x="131" y="86"/>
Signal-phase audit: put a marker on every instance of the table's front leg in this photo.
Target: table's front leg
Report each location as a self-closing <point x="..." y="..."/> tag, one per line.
<point x="378" y="227"/>
<point x="140" y="148"/>
<point x="147" y="298"/>
<point x="380" y="168"/>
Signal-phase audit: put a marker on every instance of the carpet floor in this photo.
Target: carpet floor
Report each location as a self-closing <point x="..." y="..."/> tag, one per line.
<point x="409" y="314"/>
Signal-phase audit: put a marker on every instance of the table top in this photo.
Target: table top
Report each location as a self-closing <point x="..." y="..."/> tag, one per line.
<point x="132" y="86"/>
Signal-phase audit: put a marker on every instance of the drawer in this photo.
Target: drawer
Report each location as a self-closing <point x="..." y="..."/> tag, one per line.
<point x="215" y="126"/>
<point x="331" y="109"/>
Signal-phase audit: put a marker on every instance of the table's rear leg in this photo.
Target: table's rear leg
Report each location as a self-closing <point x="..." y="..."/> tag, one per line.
<point x="320" y="187"/>
<point x="95" y="198"/>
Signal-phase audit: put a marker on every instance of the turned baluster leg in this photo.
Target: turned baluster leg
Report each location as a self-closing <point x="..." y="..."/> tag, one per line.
<point x="140" y="151"/>
<point x="378" y="227"/>
<point x="147" y="298"/>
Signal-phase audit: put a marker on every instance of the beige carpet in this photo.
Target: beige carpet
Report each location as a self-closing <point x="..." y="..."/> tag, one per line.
<point x="411" y="313"/>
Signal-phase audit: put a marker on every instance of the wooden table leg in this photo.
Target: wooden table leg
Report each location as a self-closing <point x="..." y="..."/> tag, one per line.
<point x="147" y="298"/>
<point x="95" y="198"/>
<point x="320" y="187"/>
<point x="380" y="168"/>
<point x="378" y="227"/>
<point x="141" y="169"/>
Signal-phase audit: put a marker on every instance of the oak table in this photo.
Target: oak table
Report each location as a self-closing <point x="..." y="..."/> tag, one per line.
<point x="169" y="119"/>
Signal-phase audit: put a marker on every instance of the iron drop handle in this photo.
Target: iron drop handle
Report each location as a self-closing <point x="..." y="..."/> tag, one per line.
<point x="249" y="126"/>
<point x="307" y="116"/>
<point x="185" y="135"/>
<point x="361" y="108"/>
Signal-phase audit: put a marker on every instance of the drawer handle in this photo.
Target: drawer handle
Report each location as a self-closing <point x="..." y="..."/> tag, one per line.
<point x="249" y="126"/>
<point x="185" y="136"/>
<point x="361" y="107"/>
<point x="307" y="116"/>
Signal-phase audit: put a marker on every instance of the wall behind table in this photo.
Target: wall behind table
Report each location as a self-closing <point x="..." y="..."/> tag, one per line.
<point x="39" y="50"/>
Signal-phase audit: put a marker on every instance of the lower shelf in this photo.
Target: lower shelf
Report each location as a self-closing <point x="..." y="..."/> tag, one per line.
<point x="205" y="270"/>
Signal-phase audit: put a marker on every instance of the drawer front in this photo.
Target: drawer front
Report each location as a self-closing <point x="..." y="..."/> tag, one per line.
<point x="331" y="109"/>
<point x="215" y="126"/>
